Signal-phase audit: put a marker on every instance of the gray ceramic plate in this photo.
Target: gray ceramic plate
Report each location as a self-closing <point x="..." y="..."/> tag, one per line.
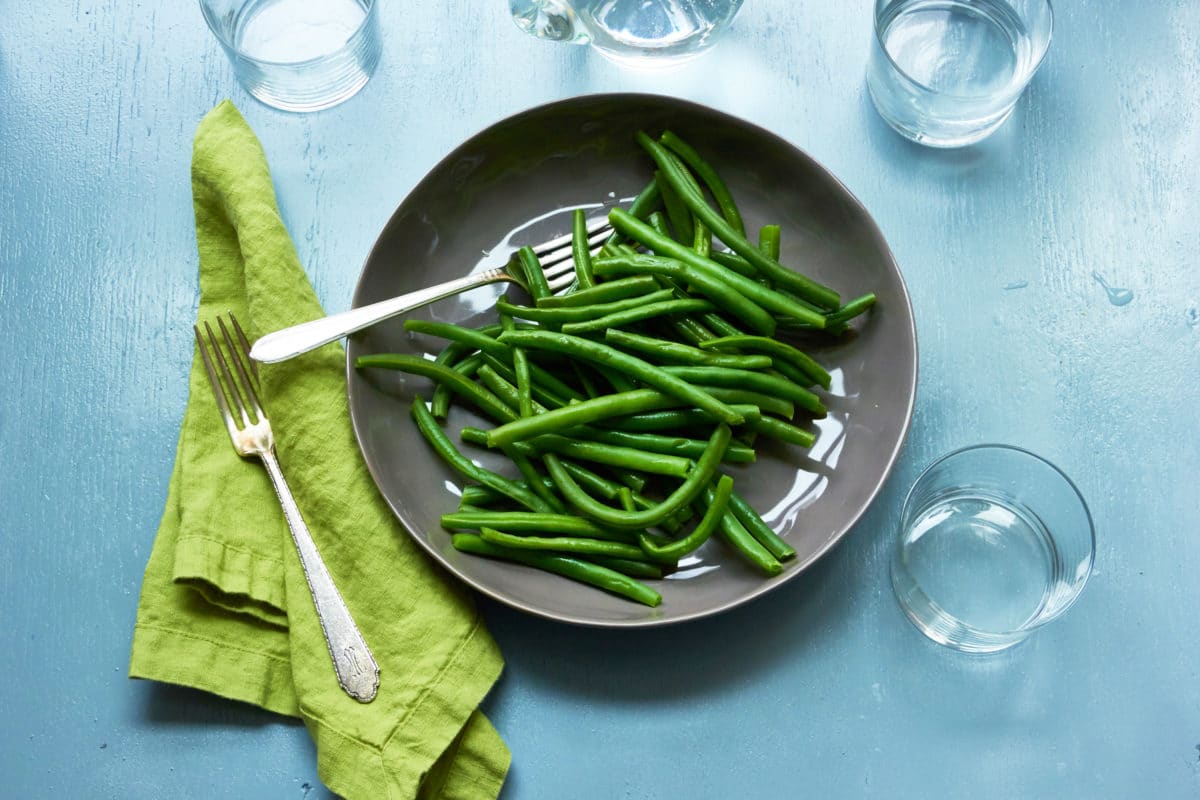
<point x="515" y="184"/>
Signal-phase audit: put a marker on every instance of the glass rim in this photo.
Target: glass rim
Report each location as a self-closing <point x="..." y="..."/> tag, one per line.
<point x="1087" y="515"/>
<point x="903" y="73"/>
<point x="217" y="31"/>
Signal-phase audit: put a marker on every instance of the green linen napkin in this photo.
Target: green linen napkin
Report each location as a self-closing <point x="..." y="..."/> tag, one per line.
<point x="224" y="604"/>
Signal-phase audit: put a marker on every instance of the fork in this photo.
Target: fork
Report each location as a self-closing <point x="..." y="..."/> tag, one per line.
<point x="356" y="669"/>
<point x="555" y="256"/>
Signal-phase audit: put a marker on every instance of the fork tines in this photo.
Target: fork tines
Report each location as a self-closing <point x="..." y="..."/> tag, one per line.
<point x="238" y="392"/>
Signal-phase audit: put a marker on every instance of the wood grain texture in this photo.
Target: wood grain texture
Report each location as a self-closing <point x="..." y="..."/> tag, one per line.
<point x="822" y="684"/>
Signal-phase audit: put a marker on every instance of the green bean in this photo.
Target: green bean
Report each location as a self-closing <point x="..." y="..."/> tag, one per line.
<point x="459" y="384"/>
<point x="449" y="356"/>
<point x="585" y="380"/>
<point x="775" y="349"/>
<point x="705" y="283"/>
<point x="688" y="328"/>
<point x="768" y="241"/>
<point x="793" y="374"/>
<point x="733" y="532"/>
<point x="502" y="388"/>
<point x="456" y="333"/>
<point x="672" y="173"/>
<point x="563" y="544"/>
<point x="734" y="262"/>
<point x="492" y="347"/>
<point x="646" y="201"/>
<point x="630" y="478"/>
<point x="674" y="419"/>
<point x="692" y="330"/>
<point x="677" y="212"/>
<point x="533" y="479"/>
<point x="712" y="180"/>
<point x="666" y="445"/>
<point x="837" y="322"/>
<point x="626" y="458"/>
<point x="644" y="312"/>
<point x="530" y="522"/>
<point x="625" y="566"/>
<point x="611" y="405"/>
<point x="655" y="463"/>
<point x="663" y="350"/>
<point x="759" y="529"/>
<point x="783" y="431"/>
<point x="631" y="366"/>
<point x="659" y="223"/>
<point x="581" y="250"/>
<point x="768" y="404"/>
<point x="574" y="568"/>
<point x="596" y="484"/>
<point x="684" y="494"/>
<point x="602" y="293"/>
<point x="672" y="524"/>
<point x="626" y="498"/>
<point x="721" y="326"/>
<point x="546" y="397"/>
<point x="535" y="278"/>
<point x="851" y="310"/>
<point x="578" y="313"/>
<point x="702" y="243"/>
<point x="480" y="496"/>
<point x="754" y="381"/>
<point x="708" y="523"/>
<point x="520" y="363"/>
<point x="467" y="468"/>
<point x="468" y="367"/>
<point x="615" y="379"/>
<point x="762" y="295"/>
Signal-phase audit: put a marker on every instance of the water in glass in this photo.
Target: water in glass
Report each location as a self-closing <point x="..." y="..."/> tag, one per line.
<point x="948" y="72"/>
<point x="641" y="32"/>
<point x="295" y="54"/>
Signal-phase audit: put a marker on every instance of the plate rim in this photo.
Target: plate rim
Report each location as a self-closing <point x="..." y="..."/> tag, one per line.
<point x="768" y="584"/>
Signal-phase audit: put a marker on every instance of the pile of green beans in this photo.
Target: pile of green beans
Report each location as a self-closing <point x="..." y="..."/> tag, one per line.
<point x="620" y="400"/>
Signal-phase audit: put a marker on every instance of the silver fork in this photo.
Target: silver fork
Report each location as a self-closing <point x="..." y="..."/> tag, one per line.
<point x="356" y="669"/>
<point x="555" y="256"/>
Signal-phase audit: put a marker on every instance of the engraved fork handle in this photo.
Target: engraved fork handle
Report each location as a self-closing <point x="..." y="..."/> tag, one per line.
<point x="357" y="671"/>
<point x="290" y="342"/>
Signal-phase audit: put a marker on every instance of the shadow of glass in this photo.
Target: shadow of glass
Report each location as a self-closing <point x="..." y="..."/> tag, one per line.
<point x="992" y="157"/>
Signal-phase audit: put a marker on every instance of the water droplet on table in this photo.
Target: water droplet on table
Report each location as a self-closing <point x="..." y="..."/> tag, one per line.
<point x="1192" y="315"/>
<point x="1116" y="296"/>
<point x="1015" y="285"/>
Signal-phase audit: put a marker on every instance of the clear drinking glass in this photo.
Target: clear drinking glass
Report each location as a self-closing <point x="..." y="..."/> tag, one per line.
<point x="995" y="542"/>
<point x="638" y="32"/>
<point x="948" y="73"/>
<point x="298" y="55"/>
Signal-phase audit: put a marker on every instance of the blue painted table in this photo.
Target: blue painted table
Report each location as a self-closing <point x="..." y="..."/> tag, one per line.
<point x="821" y="685"/>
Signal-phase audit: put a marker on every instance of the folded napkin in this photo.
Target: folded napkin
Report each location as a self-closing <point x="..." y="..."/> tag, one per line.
<point x="224" y="604"/>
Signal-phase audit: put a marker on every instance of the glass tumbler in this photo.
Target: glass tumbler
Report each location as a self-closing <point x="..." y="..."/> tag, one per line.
<point x="948" y="73"/>
<point x="636" y="32"/>
<point x="298" y="55"/>
<point x="994" y="543"/>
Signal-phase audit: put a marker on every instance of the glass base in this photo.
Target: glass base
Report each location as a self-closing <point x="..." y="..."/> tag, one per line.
<point x="303" y="104"/>
<point x="939" y="134"/>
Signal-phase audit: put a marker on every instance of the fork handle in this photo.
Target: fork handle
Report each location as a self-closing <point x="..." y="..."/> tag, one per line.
<point x="290" y="342"/>
<point x="355" y="666"/>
